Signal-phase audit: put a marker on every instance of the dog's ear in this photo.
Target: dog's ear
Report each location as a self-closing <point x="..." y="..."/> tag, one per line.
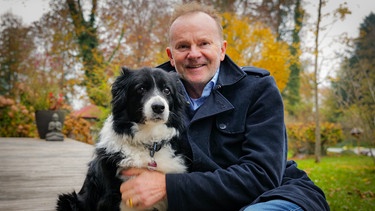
<point x="174" y="75"/>
<point x="178" y="98"/>
<point x="119" y="88"/>
<point x="179" y="87"/>
<point x="125" y="71"/>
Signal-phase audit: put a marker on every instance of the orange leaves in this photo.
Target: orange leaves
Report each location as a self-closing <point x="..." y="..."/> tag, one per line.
<point x="78" y="128"/>
<point x="305" y="132"/>
<point x="16" y="120"/>
<point x="302" y="136"/>
<point x="252" y="43"/>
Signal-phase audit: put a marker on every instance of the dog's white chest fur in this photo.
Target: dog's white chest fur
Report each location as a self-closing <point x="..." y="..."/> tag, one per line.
<point x="134" y="149"/>
<point x="136" y="152"/>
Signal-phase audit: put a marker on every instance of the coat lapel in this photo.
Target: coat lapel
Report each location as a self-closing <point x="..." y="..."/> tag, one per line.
<point x="214" y="104"/>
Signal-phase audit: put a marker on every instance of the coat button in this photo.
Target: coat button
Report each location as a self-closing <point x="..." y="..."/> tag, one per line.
<point x="222" y="126"/>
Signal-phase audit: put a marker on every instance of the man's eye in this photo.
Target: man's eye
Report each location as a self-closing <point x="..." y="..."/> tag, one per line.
<point x="182" y="47"/>
<point x="204" y="44"/>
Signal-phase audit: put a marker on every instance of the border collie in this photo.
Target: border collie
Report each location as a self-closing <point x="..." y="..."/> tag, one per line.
<point x="142" y="131"/>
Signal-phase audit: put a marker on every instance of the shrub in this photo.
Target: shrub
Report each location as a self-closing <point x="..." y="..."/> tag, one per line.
<point x="78" y="128"/>
<point x="16" y="120"/>
<point x="302" y="137"/>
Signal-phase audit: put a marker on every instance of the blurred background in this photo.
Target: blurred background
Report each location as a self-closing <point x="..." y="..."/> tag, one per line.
<point x="70" y="51"/>
<point x="64" y="54"/>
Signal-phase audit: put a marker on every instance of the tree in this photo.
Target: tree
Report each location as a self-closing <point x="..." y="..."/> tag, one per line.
<point x="52" y="60"/>
<point x="252" y="43"/>
<point x="276" y="14"/>
<point x="92" y="58"/>
<point x="354" y="86"/>
<point x="15" y="47"/>
<point x="115" y="34"/>
<point x="139" y="29"/>
<point x="285" y="19"/>
<point x="342" y="11"/>
<point x="291" y="94"/>
<point x="316" y="56"/>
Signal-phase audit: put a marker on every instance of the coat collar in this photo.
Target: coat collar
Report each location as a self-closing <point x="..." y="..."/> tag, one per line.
<point x="230" y="73"/>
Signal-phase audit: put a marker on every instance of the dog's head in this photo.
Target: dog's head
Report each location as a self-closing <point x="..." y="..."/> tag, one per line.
<point x="145" y="96"/>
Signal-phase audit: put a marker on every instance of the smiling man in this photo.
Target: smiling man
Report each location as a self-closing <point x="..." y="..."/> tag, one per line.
<point x="196" y="54"/>
<point x="235" y="140"/>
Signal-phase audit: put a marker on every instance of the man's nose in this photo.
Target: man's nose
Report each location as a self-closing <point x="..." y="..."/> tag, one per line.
<point x="194" y="52"/>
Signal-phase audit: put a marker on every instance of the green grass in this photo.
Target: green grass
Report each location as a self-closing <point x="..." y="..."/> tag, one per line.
<point x="347" y="181"/>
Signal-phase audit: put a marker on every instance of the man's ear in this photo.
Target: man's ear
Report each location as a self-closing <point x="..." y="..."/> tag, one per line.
<point x="169" y="53"/>
<point x="223" y="49"/>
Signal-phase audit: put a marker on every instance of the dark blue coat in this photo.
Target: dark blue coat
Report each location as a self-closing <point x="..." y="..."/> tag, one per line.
<point x="236" y="142"/>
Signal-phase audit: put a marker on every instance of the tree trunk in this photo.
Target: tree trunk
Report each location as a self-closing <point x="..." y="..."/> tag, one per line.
<point x="92" y="58"/>
<point x="292" y="92"/>
<point x="316" y="88"/>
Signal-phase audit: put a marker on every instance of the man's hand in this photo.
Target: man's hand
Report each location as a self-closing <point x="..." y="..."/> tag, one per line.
<point x="143" y="189"/>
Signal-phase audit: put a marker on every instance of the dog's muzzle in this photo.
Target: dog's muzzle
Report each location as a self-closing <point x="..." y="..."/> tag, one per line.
<point x="156" y="109"/>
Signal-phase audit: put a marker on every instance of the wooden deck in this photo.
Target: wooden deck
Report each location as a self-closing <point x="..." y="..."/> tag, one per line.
<point x="34" y="171"/>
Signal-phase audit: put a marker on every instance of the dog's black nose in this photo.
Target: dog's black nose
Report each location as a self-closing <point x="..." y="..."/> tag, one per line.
<point x="158" y="108"/>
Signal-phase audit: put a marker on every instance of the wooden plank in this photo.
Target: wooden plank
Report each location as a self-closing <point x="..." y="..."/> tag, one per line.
<point x="34" y="171"/>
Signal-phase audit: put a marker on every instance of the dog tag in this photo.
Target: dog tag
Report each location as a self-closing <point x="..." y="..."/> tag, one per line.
<point x="152" y="165"/>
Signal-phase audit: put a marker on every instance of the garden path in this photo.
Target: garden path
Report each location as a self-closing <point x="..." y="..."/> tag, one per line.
<point x="34" y="171"/>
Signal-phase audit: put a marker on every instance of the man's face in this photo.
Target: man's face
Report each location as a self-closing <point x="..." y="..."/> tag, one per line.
<point x="196" y="48"/>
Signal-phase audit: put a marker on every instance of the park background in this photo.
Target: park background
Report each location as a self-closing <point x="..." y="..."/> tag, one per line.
<point x="64" y="54"/>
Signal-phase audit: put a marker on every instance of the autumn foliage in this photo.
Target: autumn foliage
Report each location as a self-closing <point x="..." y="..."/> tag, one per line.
<point x="78" y="47"/>
<point x="16" y="120"/>
<point x="78" y="129"/>
<point x="302" y="137"/>
<point x="253" y="43"/>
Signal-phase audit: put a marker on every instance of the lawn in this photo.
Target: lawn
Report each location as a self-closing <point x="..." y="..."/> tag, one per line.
<point x="348" y="181"/>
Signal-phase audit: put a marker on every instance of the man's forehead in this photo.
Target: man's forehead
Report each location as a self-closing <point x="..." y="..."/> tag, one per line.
<point x="197" y="21"/>
<point x="191" y="16"/>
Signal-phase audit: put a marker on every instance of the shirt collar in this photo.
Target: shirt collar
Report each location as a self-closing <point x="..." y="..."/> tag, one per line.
<point x="196" y="103"/>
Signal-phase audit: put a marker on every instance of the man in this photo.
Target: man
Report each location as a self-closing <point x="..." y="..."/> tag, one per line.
<point x="235" y="136"/>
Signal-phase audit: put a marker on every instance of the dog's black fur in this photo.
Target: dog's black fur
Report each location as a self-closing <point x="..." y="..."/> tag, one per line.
<point x="131" y="91"/>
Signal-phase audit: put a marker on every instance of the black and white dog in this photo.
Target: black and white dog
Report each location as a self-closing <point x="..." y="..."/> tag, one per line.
<point x="142" y="131"/>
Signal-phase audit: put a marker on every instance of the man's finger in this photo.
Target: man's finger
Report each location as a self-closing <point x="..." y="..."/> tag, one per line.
<point x="133" y="172"/>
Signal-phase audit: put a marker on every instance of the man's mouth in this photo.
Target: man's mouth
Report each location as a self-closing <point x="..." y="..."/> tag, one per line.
<point x="195" y="66"/>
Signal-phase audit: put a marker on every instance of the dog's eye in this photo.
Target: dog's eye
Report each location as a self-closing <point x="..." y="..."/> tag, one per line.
<point x="141" y="90"/>
<point x="167" y="91"/>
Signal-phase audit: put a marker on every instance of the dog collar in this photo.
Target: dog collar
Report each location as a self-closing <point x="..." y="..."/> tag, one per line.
<point x="154" y="147"/>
